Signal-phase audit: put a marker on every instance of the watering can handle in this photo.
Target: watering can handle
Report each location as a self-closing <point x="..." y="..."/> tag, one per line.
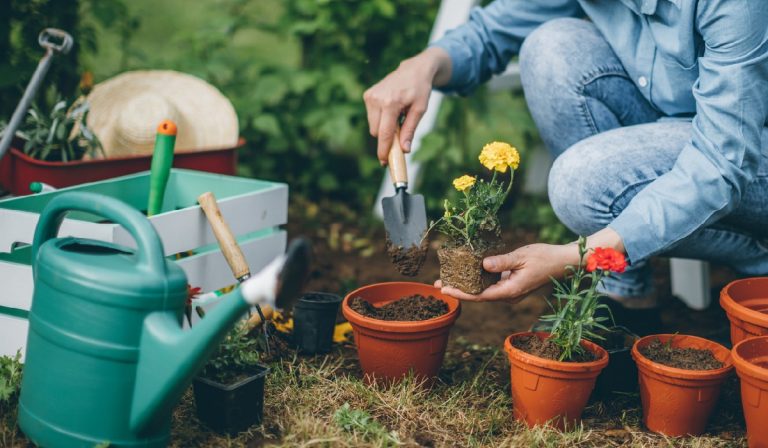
<point x="150" y="249"/>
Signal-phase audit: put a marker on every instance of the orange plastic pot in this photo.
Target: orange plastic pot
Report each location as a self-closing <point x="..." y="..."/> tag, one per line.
<point x="389" y="350"/>
<point x="551" y="392"/>
<point x="750" y="357"/>
<point x="678" y="402"/>
<point x="746" y="304"/>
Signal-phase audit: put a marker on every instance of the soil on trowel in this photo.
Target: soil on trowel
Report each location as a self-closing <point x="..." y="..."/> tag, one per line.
<point x="408" y="261"/>
<point x="462" y="268"/>
<point x="681" y="358"/>
<point x="412" y="308"/>
<point x="545" y="348"/>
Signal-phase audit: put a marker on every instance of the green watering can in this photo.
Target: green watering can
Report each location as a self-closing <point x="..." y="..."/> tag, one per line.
<point x="107" y="358"/>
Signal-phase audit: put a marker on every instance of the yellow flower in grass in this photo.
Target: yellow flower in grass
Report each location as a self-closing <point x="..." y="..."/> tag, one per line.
<point x="464" y="183"/>
<point x="498" y="156"/>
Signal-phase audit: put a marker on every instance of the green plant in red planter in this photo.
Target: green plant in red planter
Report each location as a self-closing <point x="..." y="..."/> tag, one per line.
<point x="60" y="134"/>
<point x="553" y="373"/>
<point x="472" y="224"/>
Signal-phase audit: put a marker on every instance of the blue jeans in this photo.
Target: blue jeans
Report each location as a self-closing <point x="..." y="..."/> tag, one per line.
<point x="609" y="143"/>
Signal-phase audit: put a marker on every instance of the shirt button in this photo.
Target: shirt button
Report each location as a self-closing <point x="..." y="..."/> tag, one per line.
<point x="642" y="81"/>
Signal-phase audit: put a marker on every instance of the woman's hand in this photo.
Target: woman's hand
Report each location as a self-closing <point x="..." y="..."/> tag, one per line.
<point x="530" y="267"/>
<point x="523" y="271"/>
<point x="404" y="91"/>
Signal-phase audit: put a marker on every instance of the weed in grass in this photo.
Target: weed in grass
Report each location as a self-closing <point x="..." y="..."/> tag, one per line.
<point x="362" y="424"/>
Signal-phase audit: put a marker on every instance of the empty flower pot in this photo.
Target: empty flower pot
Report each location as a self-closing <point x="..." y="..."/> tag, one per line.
<point x="746" y="304"/>
<point x="389" y="350"/>
<point x="750" y="357"/>
<point x="231" y="408"/>
<point x="621" y="373"/>
<point x="678" y="402"/>
<point x="551" y="392"/>
<point x="314" y="318"/>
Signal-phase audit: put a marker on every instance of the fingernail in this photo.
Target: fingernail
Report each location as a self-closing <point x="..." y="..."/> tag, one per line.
<point x="407" y="145"/>
<point x="490" y="263"/>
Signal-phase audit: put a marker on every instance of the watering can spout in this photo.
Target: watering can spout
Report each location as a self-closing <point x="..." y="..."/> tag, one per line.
<point x="170" y="357"/>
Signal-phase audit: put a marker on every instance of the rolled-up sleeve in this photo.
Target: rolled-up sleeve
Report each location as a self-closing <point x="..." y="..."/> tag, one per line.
<point x="721" y="159"/>
<point x="493" y="35"/>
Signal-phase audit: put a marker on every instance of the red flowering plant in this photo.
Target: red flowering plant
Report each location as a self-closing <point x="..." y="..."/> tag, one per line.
<point x="576" y="299"/>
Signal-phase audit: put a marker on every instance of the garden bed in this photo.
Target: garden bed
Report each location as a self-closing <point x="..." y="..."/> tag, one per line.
<point x="323" y="400"/>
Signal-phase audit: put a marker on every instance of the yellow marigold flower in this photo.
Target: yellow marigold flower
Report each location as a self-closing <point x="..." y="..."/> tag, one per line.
<point x="498" y="156"/>
<point x="464" y="183"/>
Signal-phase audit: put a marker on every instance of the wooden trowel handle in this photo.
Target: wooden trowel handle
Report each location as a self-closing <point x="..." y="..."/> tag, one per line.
<point x="396" y="161"/>
<point x="227" y="242"/>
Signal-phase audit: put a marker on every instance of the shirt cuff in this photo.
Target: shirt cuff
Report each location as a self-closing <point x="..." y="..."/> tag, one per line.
<point x="637" y="235"/>
<point x="461" y="56"/>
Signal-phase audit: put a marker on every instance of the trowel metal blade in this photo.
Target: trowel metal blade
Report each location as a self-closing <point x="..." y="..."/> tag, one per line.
<point x="294" y="274"/>
<point x="405" y="218"/>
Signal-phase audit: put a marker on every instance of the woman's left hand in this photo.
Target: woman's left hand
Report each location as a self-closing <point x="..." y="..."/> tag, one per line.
<point x="523" y="271"/>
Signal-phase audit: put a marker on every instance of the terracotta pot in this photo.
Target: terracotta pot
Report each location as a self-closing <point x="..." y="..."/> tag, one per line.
<point x="389" y="350"/>
<point x="746" y="304"/>
<point x="551" y="392"/>
<point x="678" y="402"/>
<point x="751" y="360"/>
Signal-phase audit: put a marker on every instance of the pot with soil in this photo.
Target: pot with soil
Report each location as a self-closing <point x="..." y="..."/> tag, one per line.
<point x="471" y="223"/>
<point x="745" y="302"/>
<point x="314" y="318"/>
<point x="750" y="357"/>
<point x="229" y="391"/>
<point x="546" y="390"/>
<point x="231" y="404"/>
<point x="400" y="327"/>
<point x="680" y="378"/>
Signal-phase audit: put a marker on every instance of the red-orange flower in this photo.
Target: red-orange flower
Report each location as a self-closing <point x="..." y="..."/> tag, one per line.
<point x="606" y="259"/>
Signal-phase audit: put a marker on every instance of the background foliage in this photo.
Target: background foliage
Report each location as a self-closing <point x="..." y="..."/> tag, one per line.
<point x="294" y="69"/>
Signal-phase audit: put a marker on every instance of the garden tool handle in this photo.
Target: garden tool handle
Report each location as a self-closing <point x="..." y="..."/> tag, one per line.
<point x="396" y="161"/>
<point x="160" y="168"/>
<point x="63" y="47"/>
<point x="224" y="236"/>
<point x="149" y="252"/>
<point x="255" y="319"/>
<point x="51" y="48"/>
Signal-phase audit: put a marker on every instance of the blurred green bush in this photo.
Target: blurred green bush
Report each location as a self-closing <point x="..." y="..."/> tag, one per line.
<point x="295" y="71"/>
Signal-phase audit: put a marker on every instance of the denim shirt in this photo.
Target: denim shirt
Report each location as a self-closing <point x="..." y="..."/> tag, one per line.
<point x="705" y="59"/>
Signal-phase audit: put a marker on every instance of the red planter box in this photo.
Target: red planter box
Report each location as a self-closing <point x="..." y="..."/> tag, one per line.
<point x="17" y="169"/>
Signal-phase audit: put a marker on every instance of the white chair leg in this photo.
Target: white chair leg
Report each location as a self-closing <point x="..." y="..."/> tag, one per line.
<point x="690" y="282"/>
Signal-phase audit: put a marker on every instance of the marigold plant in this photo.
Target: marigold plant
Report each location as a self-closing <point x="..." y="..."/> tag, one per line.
<point x="575" y="302"/>
<point x="474" y="215"/>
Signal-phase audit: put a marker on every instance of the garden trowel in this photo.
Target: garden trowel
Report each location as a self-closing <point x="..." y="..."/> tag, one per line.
<point x="292" y="277"/>
<point x="405" y="217"/>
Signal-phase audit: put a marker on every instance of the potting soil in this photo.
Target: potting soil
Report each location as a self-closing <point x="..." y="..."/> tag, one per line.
<point x="408" y="261"/>
<point x="681" y="358"/>
<point x="547" y="349"/>
<point x="412" y="308"/>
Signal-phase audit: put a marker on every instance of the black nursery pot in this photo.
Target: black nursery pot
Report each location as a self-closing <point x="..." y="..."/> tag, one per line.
<point x="231" y="408"/>
<point x="621" y="373"/>
<point x="314" y="318"/>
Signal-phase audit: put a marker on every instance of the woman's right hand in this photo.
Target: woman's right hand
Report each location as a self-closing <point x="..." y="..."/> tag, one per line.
<point x="404" y="91"/>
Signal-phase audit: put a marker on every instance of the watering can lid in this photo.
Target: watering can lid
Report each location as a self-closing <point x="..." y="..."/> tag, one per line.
<point x="107" y="273"/>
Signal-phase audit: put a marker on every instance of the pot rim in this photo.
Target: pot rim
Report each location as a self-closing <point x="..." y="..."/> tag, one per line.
<point x="262" y="373"/>
<point x="743" y="366"/>
<point x="550" y="364"/>
<point x="733" y="307"/>
<point x="675" y="372"/>
<point x="401" y="326"/>
<point x="18" y="153"/>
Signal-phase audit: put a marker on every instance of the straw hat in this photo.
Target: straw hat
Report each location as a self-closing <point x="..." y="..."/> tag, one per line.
<point x="126" y="110"/>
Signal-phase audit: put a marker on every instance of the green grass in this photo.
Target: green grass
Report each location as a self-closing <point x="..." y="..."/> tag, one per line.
<point x="322" y="401"/>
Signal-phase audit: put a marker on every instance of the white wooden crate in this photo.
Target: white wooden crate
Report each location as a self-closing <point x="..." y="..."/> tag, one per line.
<point x="254" y="210"/>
